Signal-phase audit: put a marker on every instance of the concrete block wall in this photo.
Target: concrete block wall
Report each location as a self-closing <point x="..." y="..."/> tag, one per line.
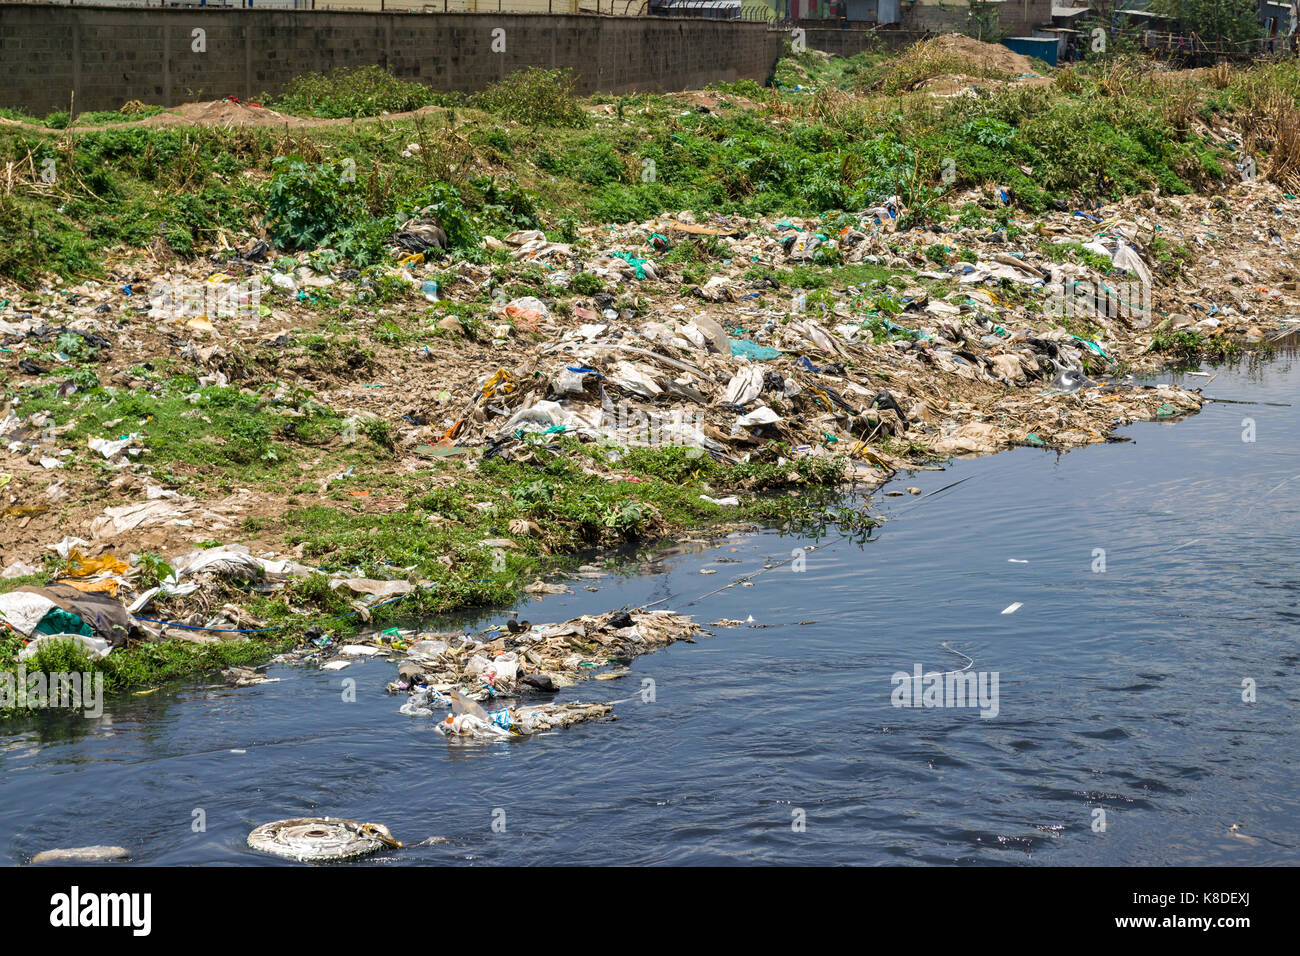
<point x="110" y="55"/>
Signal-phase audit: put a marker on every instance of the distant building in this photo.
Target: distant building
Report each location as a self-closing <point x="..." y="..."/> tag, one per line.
<point x="704" y="9"/>
<point x="1279" y="18"/>
<point x="935" y="16"/>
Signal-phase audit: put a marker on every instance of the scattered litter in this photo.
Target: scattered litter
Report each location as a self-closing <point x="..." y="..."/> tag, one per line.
<point x="731" y="501"/>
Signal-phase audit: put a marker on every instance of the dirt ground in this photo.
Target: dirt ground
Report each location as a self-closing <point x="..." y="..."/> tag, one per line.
<point x="231" y="112"/>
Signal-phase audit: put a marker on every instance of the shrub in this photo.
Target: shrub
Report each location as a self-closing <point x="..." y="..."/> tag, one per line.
<point x="363" y="91"/>
<point x="535" y="97"/>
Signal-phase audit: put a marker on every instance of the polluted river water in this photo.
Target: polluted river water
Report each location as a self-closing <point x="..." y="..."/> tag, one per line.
<point x="1129" y="611"/>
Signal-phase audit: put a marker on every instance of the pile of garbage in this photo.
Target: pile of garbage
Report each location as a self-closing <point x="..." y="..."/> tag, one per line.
<point x="472" y="677"/>
<point x="737" y="360"/>
<point x="741" y="363"/>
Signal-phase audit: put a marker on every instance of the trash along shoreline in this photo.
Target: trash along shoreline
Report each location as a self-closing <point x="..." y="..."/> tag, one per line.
<point x="258" y="447"/>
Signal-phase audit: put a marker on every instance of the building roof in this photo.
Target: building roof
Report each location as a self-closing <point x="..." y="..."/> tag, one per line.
<point x="699" y="4"/>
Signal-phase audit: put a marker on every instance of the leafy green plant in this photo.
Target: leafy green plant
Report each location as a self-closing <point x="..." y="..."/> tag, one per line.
<point x="988" y="131"/>
<point x="443" y="202"/>
<point x="153" y="570"/>
<point x="380" y="432"/>
<point x="75" y="347"/>
<point x="308" y="202"/>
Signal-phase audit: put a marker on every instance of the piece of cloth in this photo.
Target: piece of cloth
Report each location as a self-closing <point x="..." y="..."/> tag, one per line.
<point x="107" y="618"/>
<point x="23" y="611"/>
<point x="59" y="621"/>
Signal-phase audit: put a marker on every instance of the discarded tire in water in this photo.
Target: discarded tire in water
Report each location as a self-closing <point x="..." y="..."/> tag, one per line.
<point x="313" y="839"/>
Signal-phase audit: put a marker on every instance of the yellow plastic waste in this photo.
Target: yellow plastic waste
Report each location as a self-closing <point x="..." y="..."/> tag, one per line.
<point x="107" y="586"/>
<point x="821" y="396"/>
<point x="502" y="379"/>
<point x="22" y="511"/>
<point x="80" y="566"/>
<point x="863" y="450"/>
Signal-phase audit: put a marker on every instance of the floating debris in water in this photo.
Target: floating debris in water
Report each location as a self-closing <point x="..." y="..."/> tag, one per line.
<point x="460" y="672"/>
<point x="83" y="854"/>
<point x="316" y="839"/>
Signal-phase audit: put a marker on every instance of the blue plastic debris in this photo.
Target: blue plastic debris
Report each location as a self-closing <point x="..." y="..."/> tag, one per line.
<point x="637" y="264"/>
<point x="1092" y="347"/>
<point x="743" y="348"/>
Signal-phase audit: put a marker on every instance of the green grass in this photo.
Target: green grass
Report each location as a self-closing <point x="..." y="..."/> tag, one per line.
<point x="213" y="437"/>
<point x="109" y="117"/>
<point x="143" y="665"/>
<point x="794" y="154"/>
<point x="534" y="96"/>
<point x="573" y="510"/>
<point x="1189" y="346"/>
<point x="1075" y="252"/>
